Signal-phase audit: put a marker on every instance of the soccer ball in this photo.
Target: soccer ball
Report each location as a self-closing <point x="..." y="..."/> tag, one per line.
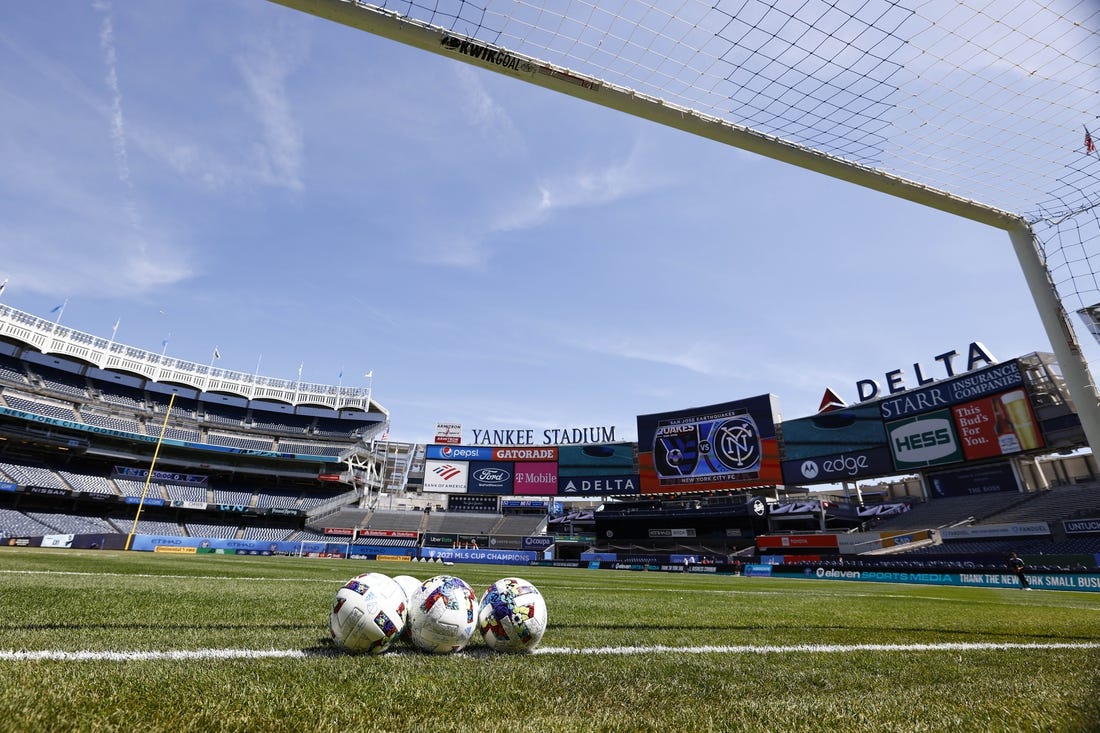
<point x="408" y="583"/>
<point x="442" y="614"/>
<point x="368" y="614"/>
<point x="512" y="616"/>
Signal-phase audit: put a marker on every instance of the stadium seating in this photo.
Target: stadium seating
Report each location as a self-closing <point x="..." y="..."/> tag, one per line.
<point x="520" y="524"/>
<point x="224" y="530"/>
<point x="40" y="406"/>
<point x="394" y="520"/>
<point x="186" y="492"/>
<point x="112" y="422"/>
<point x="31" y="475"/>
<point x="1061" y="502"/>
<point x="462" y="522"/>
<point x="11" y="370"/>
<point x="266" y="534"/>
<point x="145" y="526"/>
<point x="951" y="511"/>
<point x="240" y="441"/>
<point x="130" y="487"/>
<point x="15" y="523"/>
<point x="59" y="382"/>
<point x="71" y="523"/>
<point x="88" y="483"/>
<point x="233" y="497"/>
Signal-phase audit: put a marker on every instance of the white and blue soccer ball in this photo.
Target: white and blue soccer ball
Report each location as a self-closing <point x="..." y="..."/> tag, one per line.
<point x="408" y="583"/>
<point x="512" y="616"/>
<point x="442" y="615"/>
<point x="368" y="614"/>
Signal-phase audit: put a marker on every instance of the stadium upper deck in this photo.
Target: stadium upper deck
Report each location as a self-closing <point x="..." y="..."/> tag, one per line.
<point x="77" y="385"/>
<point x="81" y="417"/>
<point x="99" y="354"/>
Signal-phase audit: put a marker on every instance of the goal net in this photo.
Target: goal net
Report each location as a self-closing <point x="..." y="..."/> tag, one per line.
<point x="982" y="109"/>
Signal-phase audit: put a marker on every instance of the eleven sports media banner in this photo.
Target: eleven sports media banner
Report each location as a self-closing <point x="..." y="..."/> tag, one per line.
<point x="731" y="445"/>
<point x="588" y="470"/>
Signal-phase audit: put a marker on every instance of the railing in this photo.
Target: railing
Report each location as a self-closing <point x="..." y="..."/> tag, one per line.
<point x="50" y="337"/>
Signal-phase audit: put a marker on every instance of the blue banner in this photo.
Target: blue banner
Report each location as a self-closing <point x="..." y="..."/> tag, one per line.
<point x="1046" y="581"/>
<point x="839" y="467"/>
<point x="437" y="452"/>
<point x="599" y="485"/>
<point x="490" y="557"/>
<point x="488" y="477"/>
<point x="149" y="543"/>
<point x="149" y="500"/>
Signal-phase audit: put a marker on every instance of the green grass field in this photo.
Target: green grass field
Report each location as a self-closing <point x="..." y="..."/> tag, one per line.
<point x="623" y="652"/>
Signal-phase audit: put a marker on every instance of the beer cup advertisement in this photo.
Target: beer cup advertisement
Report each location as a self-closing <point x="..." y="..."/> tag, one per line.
<point x="1018" y="407"/>
<point x="1000" y="425"/>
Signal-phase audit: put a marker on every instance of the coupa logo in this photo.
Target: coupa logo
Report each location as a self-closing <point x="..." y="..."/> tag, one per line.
<point x="923" y="441"/>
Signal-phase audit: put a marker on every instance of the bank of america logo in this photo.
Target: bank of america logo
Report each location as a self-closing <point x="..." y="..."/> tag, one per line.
<point x="447" y="471"/>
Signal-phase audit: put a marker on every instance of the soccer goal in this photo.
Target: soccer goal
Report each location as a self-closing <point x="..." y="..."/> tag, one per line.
<point x="981" y="110"/>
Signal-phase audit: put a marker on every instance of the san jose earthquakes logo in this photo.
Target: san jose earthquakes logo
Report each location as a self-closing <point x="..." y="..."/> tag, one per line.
<point x="676" y="450"/>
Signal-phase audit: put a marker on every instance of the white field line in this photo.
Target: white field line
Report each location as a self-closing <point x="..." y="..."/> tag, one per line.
<point x="227" y="654"/>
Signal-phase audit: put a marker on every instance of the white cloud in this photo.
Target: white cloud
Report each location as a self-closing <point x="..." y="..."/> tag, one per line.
<point x="278" y="151"/>
<point x="488" y="118"/>
<point x="582" y="187"/>
<point x="44" y="260"/>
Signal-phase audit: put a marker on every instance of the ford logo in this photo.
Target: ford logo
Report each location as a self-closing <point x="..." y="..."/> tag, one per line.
<point x="491" y="475"/>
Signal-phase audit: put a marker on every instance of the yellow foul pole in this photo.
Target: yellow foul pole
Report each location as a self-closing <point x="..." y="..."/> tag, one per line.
<point x="149" y="476"/>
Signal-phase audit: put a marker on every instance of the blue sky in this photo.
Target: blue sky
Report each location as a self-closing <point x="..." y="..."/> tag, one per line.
<point x="233" y="173"/>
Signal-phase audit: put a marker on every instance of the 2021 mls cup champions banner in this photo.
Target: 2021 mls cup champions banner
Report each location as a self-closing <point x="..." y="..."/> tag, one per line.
<point x="731" y="445"/>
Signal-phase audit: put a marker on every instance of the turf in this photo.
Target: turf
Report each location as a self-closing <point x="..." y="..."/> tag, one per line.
<point x="624" y="651"/>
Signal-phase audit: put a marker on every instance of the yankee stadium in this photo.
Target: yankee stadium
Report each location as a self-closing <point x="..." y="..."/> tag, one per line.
<point x="588" y="250"/>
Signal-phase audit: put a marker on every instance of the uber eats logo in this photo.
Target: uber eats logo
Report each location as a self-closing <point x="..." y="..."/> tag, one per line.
<point x="928" y="440"/>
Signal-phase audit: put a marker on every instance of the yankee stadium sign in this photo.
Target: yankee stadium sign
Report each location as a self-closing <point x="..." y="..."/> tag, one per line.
<point x="550" y="436"/>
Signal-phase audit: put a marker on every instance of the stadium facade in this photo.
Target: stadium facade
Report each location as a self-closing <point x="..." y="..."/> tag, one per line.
<point x="106" y="445"/>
